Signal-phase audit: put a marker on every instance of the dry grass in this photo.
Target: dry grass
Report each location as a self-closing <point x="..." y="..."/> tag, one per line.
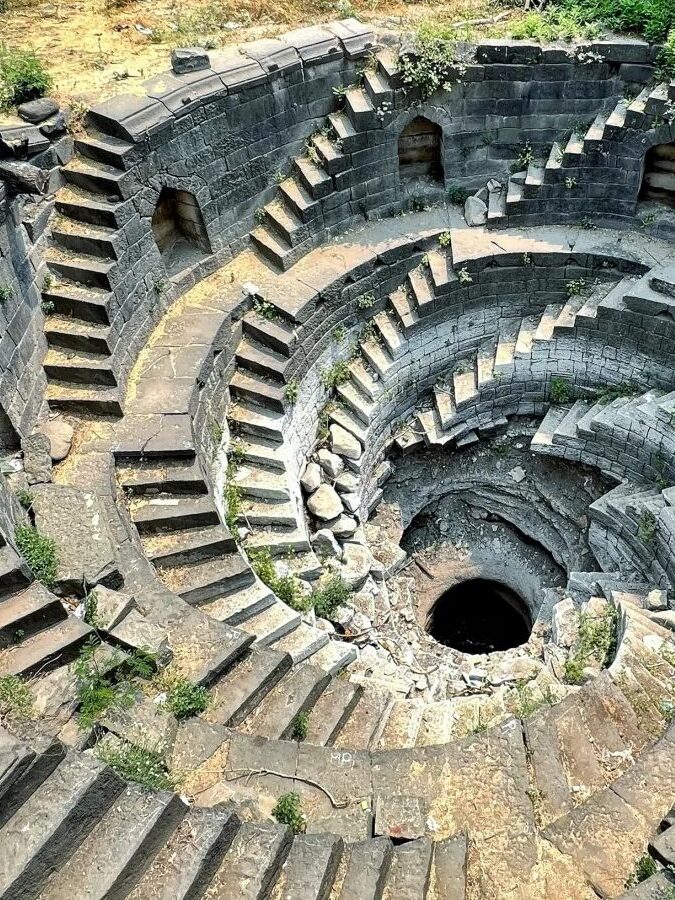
<point x="96" y="48"/>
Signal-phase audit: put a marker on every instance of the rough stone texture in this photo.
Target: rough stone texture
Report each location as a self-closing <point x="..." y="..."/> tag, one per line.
<point x="36" y="111"/>
<point x="324" y="544"/>
<point x="311" y="478"/>
<point x="475" y="211"/>
<point x="37" y="460"/>
<point x="343" y="443"/>
<point x="60" y="435"/>
<point x="137" y="633"/>
<point x="189" y="59"/>
<point x="325" y="503"/>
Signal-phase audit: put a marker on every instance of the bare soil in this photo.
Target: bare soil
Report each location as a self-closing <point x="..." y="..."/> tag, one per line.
<point x="96" y="48"/>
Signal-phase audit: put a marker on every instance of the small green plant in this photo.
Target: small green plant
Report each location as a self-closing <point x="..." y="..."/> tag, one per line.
<point x="645" y="867"/>
<point x="48" y="282"/>
<point x="366" y="301"/>
<point x="668" y="710"/>
<point x="278" y="176"/>
<point x="292" y="390"/>
<point x="527" y="701"/>
<point x="570" y="182"/>
<point x="525" y="155"/>
<point x="217" y="431"/>
<point x="25" y="498"/>
<point x="335" y="375"/>
<point x="184" y="698"/>
<point x="457" y="195"/>
<point x="159" y="285"/>
<point x="647" y="527"/>
<point x="105" y="681"/>
<point x="286" y="587"/>
<point x="5" y="293"/>
<point x="142" y="765"/>
<point x="265" y="309"/>
<point x="433" y="64"/>
<point x="332" y="594"/>
<point x="464" y="276"/>
<point x="615" y="391"/>
<point x="444" y="239"/>
<point x="259" y="216"/>
<point x="22" y="77"/>
<point x="288" y="811"/>
<point x="47" y="307"/>
<point x="91" y="616"/>
<point x="596" y="643"/>
<point x="560" y="391"/>
<point x="419" y="204"/>
<point x="16" y="699"/>
<point x="527" y="259"/>
<point x="300" y="726"/>
<point x="233" y="504"/>
<point x="39" y="552"/>
<point x="339" y="334"/>
<point x="575" y="288"/>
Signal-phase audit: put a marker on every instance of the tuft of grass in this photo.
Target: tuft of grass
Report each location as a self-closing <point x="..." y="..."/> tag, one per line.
<point x="300" y="726"/>
<point x="614" y="391"/>
<point x="105" y="686"/>
<point x="39" y="552"/>
<point x="22" y="77"/>
<point x="554" y="24"/>
<point x="647" y="527"/>
<point x="142" y="765"/>
<point x="5" y="293"/>
<point x="16" y="699"/>
<point x="286" y="587"/>
<point x="25" y="498"/>
<point x="560" y="391"/>
<point x="288" y="811"/>
<point x="645" y="867"/>
<point x="335" y="375"/>
<point x="333" y="594"/>
<point x="596" y="642"/>
<point x="528" y="702"/>
<point x="184" y="698"/>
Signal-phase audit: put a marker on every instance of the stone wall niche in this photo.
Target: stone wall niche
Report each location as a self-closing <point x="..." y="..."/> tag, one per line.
<point x="420" y="151"/>
<point x="179" y="230"/>
<point x="658" y="180"/>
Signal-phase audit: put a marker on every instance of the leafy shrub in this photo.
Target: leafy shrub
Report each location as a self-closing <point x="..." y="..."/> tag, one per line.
<point x="554" y="24"/>
<point x="560" y="391"/>
<point x="288" y="811"/>
<point x="328" y="598"/>
<point x="596" y="643"/>
<point x="651" y="18"/>
<point x="22" y="77"/>
<point x="300" y="726"/>
<point x="140" y="764"/>
<point x="335" y="375"/>
<point x="105" y="683"/>
<point x="433" y="64"/>
<point x="286" y="587"/>
<point x="16" y="700"/>
<point x="185" y="699"/>
<point x="39" y="552"/>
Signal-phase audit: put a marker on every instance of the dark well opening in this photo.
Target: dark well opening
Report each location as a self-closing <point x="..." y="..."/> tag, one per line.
<point x="178" y="227"/>
<point x="479" y="616"/>
<point x="658" y="181"/>
<point x="419" y="150"/>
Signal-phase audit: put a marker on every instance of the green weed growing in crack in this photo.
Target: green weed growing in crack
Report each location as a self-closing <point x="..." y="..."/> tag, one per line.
<point x="39" y="552"/>
<point x="561" y="391"/>
<point x="184" y="698"/>
<point x="645" y="867"/>
<point x="647" y="527"/>
<point x="143" y="765"/>
<point x="16" y="698"/>
<point x="335" y="375"/>
<point x="105" y="681"/>
<point x="25" y="498"/>
<point x="292" y="391"/>
<point x="366" y="301"/>
<point x="300" y="726"/>
<point x="575" y="287"/>
<point x="528" y="702"/>
<point x="596" y="643"/>
<point x="288" y="811"/>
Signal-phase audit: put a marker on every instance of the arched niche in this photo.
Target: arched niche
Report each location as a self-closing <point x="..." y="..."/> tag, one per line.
<point x="179" y="230"/>
<point x="420" y="147"/>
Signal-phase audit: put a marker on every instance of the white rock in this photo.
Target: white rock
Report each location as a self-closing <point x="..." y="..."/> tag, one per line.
<point x="60" y="435"/>
<point x="345" y="527"/>
<point x="325" y="503"/>
<point x="518" y="474"/>
<point x="344" y="443"/>
<point x="343" y="615"/>
<point x="351" y="502"/>
<point x="347" y="483"/>
<point x="356" y="564"/>
<point x="656" y="601"/>
<point x="475" y="211"/>
<point x="311" y="477"/>
<point x="324" y="544"/>
<point x="330" y="463"/>
<point x="565" y="623"/>
<point x="494" y="185"/>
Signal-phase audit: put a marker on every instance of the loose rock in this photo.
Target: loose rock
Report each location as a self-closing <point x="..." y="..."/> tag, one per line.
<point x="60" y="436"/>
<point x="330" y="463"/>
<point x="344" y="443"/>
<point x="475" y="211"/>
<point x="38" y="110"/>
<point x="325" y="504"/>
<point x="311" y="478"/>
<point x="189" y="59"/>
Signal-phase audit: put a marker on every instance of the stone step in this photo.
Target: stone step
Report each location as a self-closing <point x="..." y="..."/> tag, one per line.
<point x="553" y="163"/>
<point x="51" y="824"/>
<point x="172" y="476"/>
<point x="46" y="752"/>
<point x="505" y="353"/>
<point x="332" y="158"/>
<point x="596" y="131"/>
<point x="331" y="711"/>
<point x="377" y="357"/>
<point x="55" y="645"/>
<point x="27" y="613"/>
<point x="526" y="333"/>
<point x="377" y="87"/>
<point x="359" y="108"/>
<point x="429" y="424"/>
<point x="404" y="308"/>
<point x="249" y="387"/>
<point x="237" y="607"/>
<point x="363" y="729"/>
<point x="334" y="657"/>
<point x="271" y="623"/>
<point x="262" y="453"/>
<point x="14" y="574"/>
<point x="364" y="378"/>
<point x="294" y="694"/>
<point x="485" y="365"/>
<point x="282" y="221"/>
<point x="16" y="759"/>
<point x="187" y="545"/>
<point x="89" y="399"/>
<point x="302" y="642"/>
<point x="313" y="178"/>
<point x="403" y="723"/>
<point x="113" y="856"/>
<point x="616" y="120"/>
<point x="635" y="114"/>
<point x="103" y="148"/>
<point x="367" y="869"/>
<point x="310" y="868"/>
<point x="567" y="319"/>
<point x="273" y="246"/>
<point x="76" y="367"/>
<point x="252" y="863"/>
<point x="202" y="580"/>
<point x="497" y="206"/>
<point x="449" y="866"/>
<point x="262" y="483"/>
<point x="251" y="419"/>
<point x="78" y="302"/>
<point x="89" y="271"/>
<point x="242" y="689"/>
<point x="84" y="237"/>
<point x="662" y="280"/>
<point x="272" y="334"/>
<point x="573" y="151"/>
<point x="393" y="340"/>
<point x="82" y="337"/>
<point x="422" y="290"/>
<point x="567" y="429"/>
<point x="87" y="206"/>
<point x="289" y="541"/>
<point x="300" y="201"/>
<point x="441" y="273"/>
<point x="356" y="400"/>
<point x="95" y="176"/>
<point x="150" y="513"/>
<point x="344" y="131"/>
<point x="409" y="872"/>
<point x="464" y="387"/>
<point x="277" y="513"/>
<point x="543" y="439"/>
<point x="444" y="404"/>
<point x="200" y="842"/>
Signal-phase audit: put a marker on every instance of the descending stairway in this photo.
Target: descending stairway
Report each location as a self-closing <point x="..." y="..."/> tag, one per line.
<point x="317" y="191"/>
<point x="81" y="269"/>
<point x="572" y="164"/>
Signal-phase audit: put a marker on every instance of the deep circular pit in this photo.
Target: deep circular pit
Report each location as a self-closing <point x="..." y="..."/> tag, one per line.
<point x="480" y="616"/>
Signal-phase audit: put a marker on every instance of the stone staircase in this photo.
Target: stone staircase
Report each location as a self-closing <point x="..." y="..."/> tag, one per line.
<point x="317" y="192"/>
<point x="81" y="264"/>
<point x="571" y="166"/>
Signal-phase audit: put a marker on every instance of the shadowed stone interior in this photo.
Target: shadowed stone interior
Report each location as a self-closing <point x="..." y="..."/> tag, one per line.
<point x="479" y="616"/>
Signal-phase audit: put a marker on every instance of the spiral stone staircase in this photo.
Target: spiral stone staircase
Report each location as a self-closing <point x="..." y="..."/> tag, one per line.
<point x="287" y="411"/>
